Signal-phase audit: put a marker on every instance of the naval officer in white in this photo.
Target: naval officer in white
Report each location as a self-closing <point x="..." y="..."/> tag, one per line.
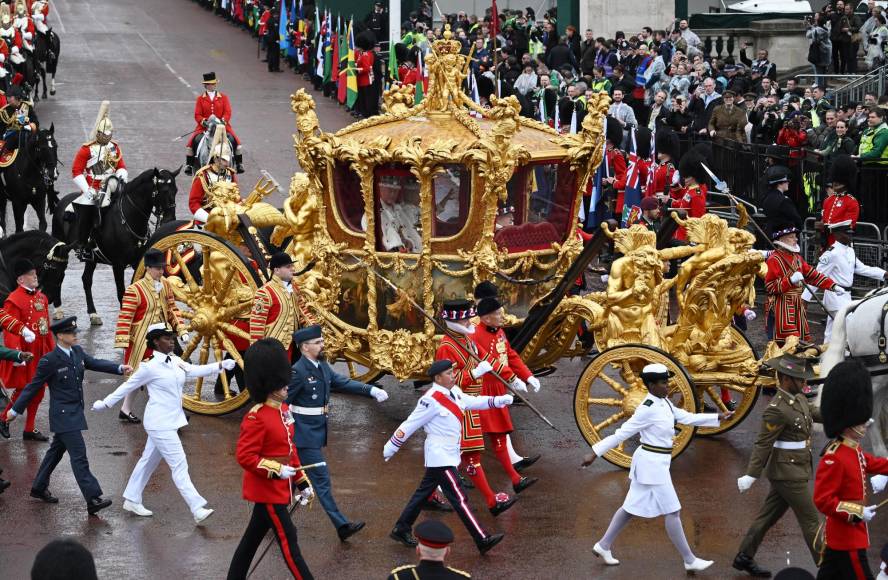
<point x="651" y="493"/>
<point x="164" y="375"/>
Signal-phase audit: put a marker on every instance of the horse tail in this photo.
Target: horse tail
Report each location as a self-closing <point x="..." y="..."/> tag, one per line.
<point x="835" y="352"/>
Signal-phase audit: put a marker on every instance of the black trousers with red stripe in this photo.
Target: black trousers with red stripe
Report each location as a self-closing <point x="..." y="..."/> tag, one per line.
<point x="845" y="565"/>
<point x="267" y="516"/>
<point x="448" y="479"/>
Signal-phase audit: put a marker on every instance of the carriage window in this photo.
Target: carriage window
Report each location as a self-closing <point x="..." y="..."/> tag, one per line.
<point x="348" y="196"/>
<point x="451" y="188"/>
<point x="397" y="210"/>
<point x="539" y="208"/>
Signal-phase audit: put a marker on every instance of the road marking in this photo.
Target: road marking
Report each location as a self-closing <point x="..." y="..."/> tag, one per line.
<point x="167" y="64"/>
<point x="55" y="10"/>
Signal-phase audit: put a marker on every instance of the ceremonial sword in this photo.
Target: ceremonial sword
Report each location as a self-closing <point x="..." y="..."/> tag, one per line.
<point x="448" y="332"/>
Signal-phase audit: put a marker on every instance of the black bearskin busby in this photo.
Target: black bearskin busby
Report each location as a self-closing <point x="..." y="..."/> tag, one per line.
<point x="614" y="132"/>
<point x="266" y="368"/>
<point x="847" y="398"/>
<point x="843" y="171"/>
<point x="692" y="166"/>
<point x="643" y="142"/>
<point x="366" y="40"/>
<point x="402" y="53"/>
<point x="666" y="142"/>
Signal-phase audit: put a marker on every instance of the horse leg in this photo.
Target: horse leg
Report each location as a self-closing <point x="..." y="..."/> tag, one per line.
<point x="119" y="270"/>
<point x="18" y="215"/>
<point x="3" y="212"/>
<point x="89" y="269"/>
<point x="879" y="429"/>
<point x="39" y="206"/>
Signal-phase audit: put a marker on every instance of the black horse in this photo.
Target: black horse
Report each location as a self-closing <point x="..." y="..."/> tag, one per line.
<point x="48" y="254"/>
<point x="124" y="228"/>
<point x="46" y="55"/>
<point x="30" y="179"/>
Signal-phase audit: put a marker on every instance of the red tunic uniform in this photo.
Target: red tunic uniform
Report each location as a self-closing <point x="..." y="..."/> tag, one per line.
<point x="454" y="349"/>
<point x="838" y="207"/>
<point x="31" y="308"/>
<point x="205" y="107"/>
<point x="364" y="65"/>
<point x="785" y="298"/>
<point x="408" y="74"/>
<point x="494" y="346"/>
<point x="616" y="168"/>
<point x="200" y="185"/>
<point x="693" y="199"/>
<point x="94" y="160"/>
<point x="277" y="313"/>
<point x="661" y="180"/>
<point x="840" y="493"/>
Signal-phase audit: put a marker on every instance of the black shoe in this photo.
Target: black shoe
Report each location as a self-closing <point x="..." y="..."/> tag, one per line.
<point x="502" y="506"/>
<point x="240" y="167"/>
<point x="524" y="484"/>
<point x="4" y="429"/>
<point x="189" y="170"/>
<point x="128" y="418"/>
<point x="406" y="537"/>
<point x="348" y="530"/>
<point x="44" y="496"/>
<point x="433" y="504"/>
<point x="34" y="435"/>
<point x="746" y="564"/>
<point x="3" y="485"/>
<point x="489" y="542"/>
<point x="466" y="482"/>
<point x="526" y="462"/>
<point x="96" y="504"/>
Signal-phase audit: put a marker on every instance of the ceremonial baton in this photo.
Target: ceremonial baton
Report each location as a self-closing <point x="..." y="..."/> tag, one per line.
<point x="292" y="508"/>
<point x="722" y="187"/>
<point x="448" y="332"/>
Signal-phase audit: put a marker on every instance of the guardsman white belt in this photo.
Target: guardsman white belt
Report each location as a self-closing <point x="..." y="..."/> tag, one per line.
<point x="309" y="410"/>
<point x="790" y="445"/>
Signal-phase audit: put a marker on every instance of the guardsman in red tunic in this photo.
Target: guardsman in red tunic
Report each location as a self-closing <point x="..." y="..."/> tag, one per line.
<point x="455" y="347"/>
<point x="271" y="465"/>
<point x="212" y="103"/>
<point x="840" y="485"/>
<point x="788" y="273"/>
<point x="841" y="205"/>
<point x="664" y="177"/>
<point x="279" y="307"/>
<point x="217" y="170"/>
<point x="492" y="344"/>
<point x="692" y="197"/>
<point x="145" y="302"/>
<point x="28" y="306"/>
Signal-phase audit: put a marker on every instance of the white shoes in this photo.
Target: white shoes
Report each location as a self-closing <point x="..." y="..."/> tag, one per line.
<point x="698" y="565"/>
<point x="203" y="513"/>
<point x="136" y="508"/>
<point x="607" y="556"/>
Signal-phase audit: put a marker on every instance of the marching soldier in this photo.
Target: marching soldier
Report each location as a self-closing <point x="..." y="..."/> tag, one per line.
<point x="840" y="485"/>
<point x="279" y="306"/>
<point x="146" y="302"/>
<point x="29" y="307"/>
<point x="434" y="539"/>
<point x="212" y="103"/>
<point x="217" y="170"/>
<point x="62" y="369"/>
<point x="18" y="118"/>
<point x="651" y="493"/>
<point x="440" y="413"/>
<point x="99" y="172"/>
<point x="308" y="396"/>
<point x="783" y="453"/>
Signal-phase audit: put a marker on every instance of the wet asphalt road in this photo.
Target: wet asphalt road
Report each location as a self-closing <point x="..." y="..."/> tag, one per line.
<point x="147" y="57"/>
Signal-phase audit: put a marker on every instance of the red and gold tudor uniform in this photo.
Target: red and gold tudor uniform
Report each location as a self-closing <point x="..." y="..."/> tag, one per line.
<point x="203" y="180"/>
<point x="277" y="312"/>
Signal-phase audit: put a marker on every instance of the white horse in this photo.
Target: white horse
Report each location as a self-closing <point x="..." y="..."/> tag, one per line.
<point x="856" y="334"/>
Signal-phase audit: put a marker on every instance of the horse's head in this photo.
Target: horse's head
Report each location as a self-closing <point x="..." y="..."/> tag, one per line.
<point x="164" y="193"/>
<point x="54" y="264"/>
<point x="47" y="153"/>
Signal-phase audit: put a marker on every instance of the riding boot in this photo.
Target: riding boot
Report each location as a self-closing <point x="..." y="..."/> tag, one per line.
<point x="82" y="247"/>
<point x="239" y="162"/>
<point x="189" y="165"/>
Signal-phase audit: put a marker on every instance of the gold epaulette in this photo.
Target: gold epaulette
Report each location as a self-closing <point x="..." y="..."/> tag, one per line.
<point x="254" y="409"/>
<point x="461" y="572"/>
<point x="401" y="569"/>
<point x="832" y="447"/>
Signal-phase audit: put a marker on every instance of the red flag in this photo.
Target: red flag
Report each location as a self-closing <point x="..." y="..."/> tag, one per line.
<point x="494" y="21"/>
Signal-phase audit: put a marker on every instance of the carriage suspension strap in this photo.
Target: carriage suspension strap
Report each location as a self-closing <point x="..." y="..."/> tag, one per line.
<point x="256" y="244"/>
<point x="883" y="349"/>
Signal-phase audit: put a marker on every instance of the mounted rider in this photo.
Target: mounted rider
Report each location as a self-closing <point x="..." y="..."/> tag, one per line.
<point x="217" y="170"/>
<point x="24" y="24"/>
<point x="11" y="35"/>
<point x="210" y="104"/>
<point x="39" y="14"/>
<point x="98" y="171"/>
<point x="17" y="117"/>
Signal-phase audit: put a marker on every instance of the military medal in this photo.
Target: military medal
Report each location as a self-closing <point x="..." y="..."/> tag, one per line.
<point x="38" y="306"/>
<point x="42" y="326"/>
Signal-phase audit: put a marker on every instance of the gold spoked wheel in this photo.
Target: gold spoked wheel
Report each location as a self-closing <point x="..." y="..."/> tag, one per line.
<point x="744" y="393"/>
<point x="610" y="389"/>
<point x="212" y="292"/>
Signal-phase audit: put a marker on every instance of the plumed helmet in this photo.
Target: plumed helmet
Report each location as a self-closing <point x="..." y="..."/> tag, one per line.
<point x="103" y="124"/>
<point x="666" y="142"/>
<point x="221" y="147"/>
<point x="266" y="368"/>
<point x="643" y="142"/>
<point x="847" y="398"/>
<point x="843" y="171"/>
<point x="614" y="131"/>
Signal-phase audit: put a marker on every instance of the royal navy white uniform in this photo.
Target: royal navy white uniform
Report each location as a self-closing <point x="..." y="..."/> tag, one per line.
<point x="651" y="493"/>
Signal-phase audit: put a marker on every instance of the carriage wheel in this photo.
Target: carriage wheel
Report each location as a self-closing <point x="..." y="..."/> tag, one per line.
<point x="748" y="391"/>
<point x="210" y="301"/>
<point x="610" y="389"/>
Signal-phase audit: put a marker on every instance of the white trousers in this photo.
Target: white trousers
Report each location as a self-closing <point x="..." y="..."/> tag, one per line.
<point x="167" y="446"/>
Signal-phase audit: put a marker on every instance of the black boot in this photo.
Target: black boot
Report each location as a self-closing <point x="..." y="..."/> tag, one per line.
<point x="96" y="504"/>
<point x="239" y="163"/>
<point x="747" y="564"/>
<point x="489" y="542"/>
<point x="189" y="164"/>
<point x="406" y="537"/>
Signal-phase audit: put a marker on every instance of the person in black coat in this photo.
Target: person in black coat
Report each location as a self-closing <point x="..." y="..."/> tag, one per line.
<point x="273" y="42"/>
<point x="378" y="22"/>
<point x="560" y="55"/>
<point x="779" y="209"/>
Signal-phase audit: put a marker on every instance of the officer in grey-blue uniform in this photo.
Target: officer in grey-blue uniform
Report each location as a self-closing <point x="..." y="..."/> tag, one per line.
<point x="308" y="396"/>
<point x="62" y="370"/>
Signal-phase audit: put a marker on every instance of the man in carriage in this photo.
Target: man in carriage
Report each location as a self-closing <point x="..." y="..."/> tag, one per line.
<point x="217" y="170"/>
<point x="212" y="103"/>
<point x="398" y="217"/>
<point x="98" y="171"/>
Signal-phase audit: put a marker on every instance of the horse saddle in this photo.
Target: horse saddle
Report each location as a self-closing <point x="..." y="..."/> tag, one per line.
<point x="7" y="157"/>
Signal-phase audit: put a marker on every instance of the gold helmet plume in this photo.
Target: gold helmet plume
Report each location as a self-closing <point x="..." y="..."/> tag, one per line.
<point x="221" y="147"/>
<point x="103" y="122"/>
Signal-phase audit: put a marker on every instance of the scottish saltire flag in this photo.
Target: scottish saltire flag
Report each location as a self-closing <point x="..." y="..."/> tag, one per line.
<point x="632" y="194"/>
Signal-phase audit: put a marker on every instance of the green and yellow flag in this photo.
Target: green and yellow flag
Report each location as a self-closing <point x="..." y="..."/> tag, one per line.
<point x="351" y="75"/>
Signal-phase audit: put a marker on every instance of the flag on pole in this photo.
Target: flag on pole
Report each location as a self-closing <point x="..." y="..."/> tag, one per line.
<point x="292" y="32"/>
<point x="573" y="120"/>
<point x="393" y="63"/>
<point x="334" y="52"/>
<point x="420" y="81"/>
<point x="283" y="36"/>
<point x="557" y="119"/>
<point x="319" y="45"/>
<point x="351" y="75"/>
<point x="342" y="85"/>
<point x="544" y="118"/>
<point x="632" y="193"/>
<point x="328" y="48"/>
<point x="594" y="214"/>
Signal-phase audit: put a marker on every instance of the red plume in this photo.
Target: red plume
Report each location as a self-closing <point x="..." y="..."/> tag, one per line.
<point x="17" y="79"/>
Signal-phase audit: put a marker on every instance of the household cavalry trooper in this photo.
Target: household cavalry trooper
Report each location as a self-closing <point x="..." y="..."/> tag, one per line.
<point x="782" y="452"/>
<point x="98" y="171"/>
<point x="840" y="485"/>
<point x="440" y="413"/>
<point x="217" y="170"/>
<point x="279" y="306"/>
<point x="146" y="302"/>
<point x="212" y="104"/>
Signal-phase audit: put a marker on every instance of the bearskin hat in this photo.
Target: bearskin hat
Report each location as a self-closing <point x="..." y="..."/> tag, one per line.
<point x="666" y="142"/>
<point x="691" y="165"/>
<point x="643" y="142"/>
<point x="565" y="111"/>
<point x="402" y="53"/>
<point x="266" y="368"/>
<point x="847" y="398"/>
<point x="614" y="131"/>
<point x="366" y="40"/>
<point x="843" y="171"/>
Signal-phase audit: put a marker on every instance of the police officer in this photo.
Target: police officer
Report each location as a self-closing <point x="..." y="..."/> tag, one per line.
<point x="434" y="545"/>
<point x="783" y="452"/>
<point x="62" y="369"/>
<point x="779" y="209"/>
<point x="308" y="396"/>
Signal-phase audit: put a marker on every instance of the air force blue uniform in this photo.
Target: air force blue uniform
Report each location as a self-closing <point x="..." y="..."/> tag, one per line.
<point x="63" y="374"/>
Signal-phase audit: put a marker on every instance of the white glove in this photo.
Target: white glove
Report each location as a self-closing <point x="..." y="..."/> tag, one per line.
<point x="749" y="314"/>
<point x="3" y="72"/>
<point x="797" y="278"/>
<point x="605" y="278"/>
<point x="28" y="334"/>
<point x="38" y="16"/>
<point x="879" y="482"/>
<point x="99" y="406"/>
<point x="501" y="401"/>
<point x="287" y="471"/>
<point x="201" y="215"/>
<point x="307" y="493"/>
<point x="745" y="482"/>
<point x="11" y="414"/>
<point x="389" y="450"/>
<point x="121" y="174"/>
<point x="535" y="383"/>
<point x="518" y="385"/>
<point x="378" y="394"/>
<point x="481" y="369"/>
<point x="15" y="50"/>
<point x="27" y="36"/>
<point x="2" y="57"/>
<point x="82" y="184"/>
<point x="228" y="364"/>
<point x="869" y="512"/>
<point x="838" y="290"/>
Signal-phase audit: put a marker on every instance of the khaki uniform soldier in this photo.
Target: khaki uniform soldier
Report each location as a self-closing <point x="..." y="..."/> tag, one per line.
<point x="783" y="452"/>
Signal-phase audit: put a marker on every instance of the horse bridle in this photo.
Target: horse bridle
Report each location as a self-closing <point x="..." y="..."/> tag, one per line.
<point x="51" y="262"/>
<point x="156" y="210"/>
